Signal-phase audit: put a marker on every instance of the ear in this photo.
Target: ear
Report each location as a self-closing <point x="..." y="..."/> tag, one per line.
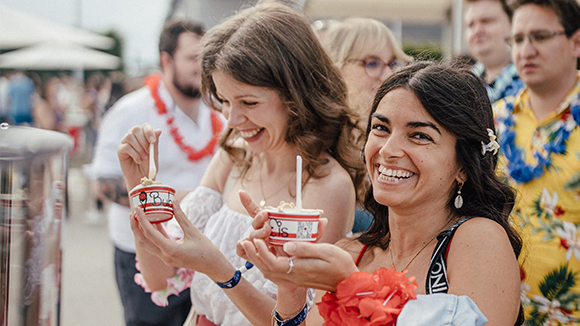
<point x="461" y="176"/>
<point x="165" y="60"/>
<point x="575" y="38"/>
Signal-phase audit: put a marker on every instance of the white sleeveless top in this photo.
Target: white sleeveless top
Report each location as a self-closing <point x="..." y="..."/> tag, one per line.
<point x="224" y="227"/>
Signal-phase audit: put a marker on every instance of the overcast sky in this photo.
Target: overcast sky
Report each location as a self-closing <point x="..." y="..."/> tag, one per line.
<point x="139" y="22"/>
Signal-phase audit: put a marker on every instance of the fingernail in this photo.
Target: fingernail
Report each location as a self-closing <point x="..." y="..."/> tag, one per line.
<point x="289" y="248"/>
<point x="151" y="139"/>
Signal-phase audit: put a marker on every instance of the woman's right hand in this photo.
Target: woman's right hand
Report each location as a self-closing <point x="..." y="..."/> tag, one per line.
<point x="133" y="153"/>
<point x="321" y="266"/>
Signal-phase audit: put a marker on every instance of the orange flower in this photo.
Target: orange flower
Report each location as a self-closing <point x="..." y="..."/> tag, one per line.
<point x="368" y="299"/>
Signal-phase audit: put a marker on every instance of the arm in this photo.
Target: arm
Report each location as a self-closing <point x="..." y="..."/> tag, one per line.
<point x="482" y="265"/>
<point x="196" y="252"/>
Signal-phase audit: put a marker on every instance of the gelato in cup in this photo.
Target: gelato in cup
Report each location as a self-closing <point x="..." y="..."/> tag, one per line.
<point x="155" y="199"/>
<point x="291" y="224"/>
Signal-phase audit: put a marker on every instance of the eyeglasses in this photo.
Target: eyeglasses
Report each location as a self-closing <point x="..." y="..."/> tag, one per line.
<point x="535" y="37"/>
<point x="376" y="67"/>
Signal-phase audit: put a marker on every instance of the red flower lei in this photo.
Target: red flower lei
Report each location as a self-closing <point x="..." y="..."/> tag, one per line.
<point x="368" y="299"/>
<point x="152" y="82"/>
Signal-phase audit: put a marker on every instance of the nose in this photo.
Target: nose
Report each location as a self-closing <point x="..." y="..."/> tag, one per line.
<point x="392" y="148"/>
<point x="234" y="115"/>
<point x="527" y="49"/>
<point x="386" y="73"/>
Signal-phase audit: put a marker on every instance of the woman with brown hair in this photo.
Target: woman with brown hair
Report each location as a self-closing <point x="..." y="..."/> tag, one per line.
<point x="440" y="215"/>
<point x="282" y="97"/>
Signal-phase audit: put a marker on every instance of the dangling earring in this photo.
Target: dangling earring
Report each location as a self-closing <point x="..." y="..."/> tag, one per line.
<point x="459" y="199"/>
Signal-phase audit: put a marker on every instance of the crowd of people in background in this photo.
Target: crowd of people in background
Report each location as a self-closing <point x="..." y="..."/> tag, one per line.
<point x="61" y="102"/>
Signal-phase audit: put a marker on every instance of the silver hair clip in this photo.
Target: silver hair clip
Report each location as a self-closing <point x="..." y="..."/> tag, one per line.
<point x="492" y="146"/>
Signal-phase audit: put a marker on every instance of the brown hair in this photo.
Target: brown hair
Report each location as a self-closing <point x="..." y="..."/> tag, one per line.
<point x="171" y="32"/>
<point x="271" y="45"/>
<point x="568" y="11"/>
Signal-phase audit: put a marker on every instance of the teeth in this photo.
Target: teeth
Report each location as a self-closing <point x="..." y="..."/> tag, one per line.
<point x="250" y="134"/>
<point x="393" y="175"/>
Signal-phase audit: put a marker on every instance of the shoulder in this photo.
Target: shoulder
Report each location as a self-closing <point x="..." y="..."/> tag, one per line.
<point x="128" y="111"/>
<point x="335" y="190"/>
<point x="218" y="171"/>
<point x="482" y="265"/>
<point x="481" y="246"/>
<point x="335" y="177"/>
<point x="133" y="100"/>
<point x="480" y="234"/>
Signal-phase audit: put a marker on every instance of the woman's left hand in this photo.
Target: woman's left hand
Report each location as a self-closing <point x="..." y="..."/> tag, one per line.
<point x="194" y="251"/>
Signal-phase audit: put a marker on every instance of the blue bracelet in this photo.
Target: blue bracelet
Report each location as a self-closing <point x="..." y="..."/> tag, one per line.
<point x="236" y="278"/>
<point x="294" y="321"/>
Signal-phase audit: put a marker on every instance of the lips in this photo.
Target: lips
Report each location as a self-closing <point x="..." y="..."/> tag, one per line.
<point x="529" y="67"/>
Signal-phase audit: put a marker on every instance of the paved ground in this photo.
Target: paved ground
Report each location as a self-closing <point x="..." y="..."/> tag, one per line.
<point x="89" y="293"/>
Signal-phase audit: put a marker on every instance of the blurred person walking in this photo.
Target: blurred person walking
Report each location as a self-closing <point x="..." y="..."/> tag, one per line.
<point x="48" y="112"/>
<point x="488" y="24"/>
<point x="539" y="138"/>
<point x="170" y="102"/>
<point x="20" y="98"/>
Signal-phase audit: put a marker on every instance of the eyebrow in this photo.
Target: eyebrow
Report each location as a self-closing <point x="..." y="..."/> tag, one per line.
<point x="412" y="124"/>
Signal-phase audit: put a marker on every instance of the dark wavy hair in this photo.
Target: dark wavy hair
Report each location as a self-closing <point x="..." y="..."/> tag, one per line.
<point x="457" y="100"/>
<point x="272" y="45"/>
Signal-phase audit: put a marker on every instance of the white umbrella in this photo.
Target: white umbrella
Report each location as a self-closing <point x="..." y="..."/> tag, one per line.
<point x="58" y="56"/>
<point x="18" y="29"/>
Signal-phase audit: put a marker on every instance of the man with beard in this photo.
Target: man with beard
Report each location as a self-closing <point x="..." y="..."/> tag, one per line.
<point x="190" y="130"/>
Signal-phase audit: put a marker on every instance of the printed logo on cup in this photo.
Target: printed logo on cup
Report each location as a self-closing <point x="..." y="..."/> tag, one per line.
<point x="156" y="201"/>
<point x="293" y="226"/>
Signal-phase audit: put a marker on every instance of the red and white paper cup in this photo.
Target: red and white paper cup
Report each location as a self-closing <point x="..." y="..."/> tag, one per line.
<point x="156" y="201"/>
<point x="299" y="226"/>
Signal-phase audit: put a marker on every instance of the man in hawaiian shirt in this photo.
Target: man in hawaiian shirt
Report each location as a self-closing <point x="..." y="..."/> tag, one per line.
<point x="540" y="142"/>
<point x="487" y="26"/>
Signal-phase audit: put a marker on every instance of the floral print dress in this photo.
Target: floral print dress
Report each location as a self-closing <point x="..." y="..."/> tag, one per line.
<point x="541" y="159"/>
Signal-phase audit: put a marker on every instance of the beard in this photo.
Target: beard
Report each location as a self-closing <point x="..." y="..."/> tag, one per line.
<point x="187" y="90"/>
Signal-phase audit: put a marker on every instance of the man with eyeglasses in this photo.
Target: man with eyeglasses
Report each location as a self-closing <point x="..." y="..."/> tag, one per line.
<point x="539" y="136"/>
<point x="487" y="25"/>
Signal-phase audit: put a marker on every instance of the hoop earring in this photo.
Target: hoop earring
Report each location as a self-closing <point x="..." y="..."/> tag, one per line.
<point x="459" y="200"/>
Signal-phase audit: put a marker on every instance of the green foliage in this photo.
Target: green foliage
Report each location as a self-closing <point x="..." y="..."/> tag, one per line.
<point x="557" y="283"/>
<point x="425" y="51"/>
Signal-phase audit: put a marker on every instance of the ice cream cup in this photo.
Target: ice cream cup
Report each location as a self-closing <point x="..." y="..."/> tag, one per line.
<point x="293" y="226"/>
<point x="155" y="200"/>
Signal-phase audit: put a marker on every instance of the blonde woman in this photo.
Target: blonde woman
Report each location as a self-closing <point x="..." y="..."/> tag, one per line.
<point x="366" y="52"/>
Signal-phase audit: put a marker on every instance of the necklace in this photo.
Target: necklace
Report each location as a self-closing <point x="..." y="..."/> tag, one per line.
<point x="418" y="252"/>
<point x="264" y="198"/>
<point x="216" y="124"/>
<point x="554" y="135"/>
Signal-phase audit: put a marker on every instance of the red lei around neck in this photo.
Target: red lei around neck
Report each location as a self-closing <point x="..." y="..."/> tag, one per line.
<point x="152" y="82"/>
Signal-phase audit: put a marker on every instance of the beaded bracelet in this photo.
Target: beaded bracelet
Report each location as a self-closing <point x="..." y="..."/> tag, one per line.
<point x="236" y="278"/>
<point x="294" y="321"/>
